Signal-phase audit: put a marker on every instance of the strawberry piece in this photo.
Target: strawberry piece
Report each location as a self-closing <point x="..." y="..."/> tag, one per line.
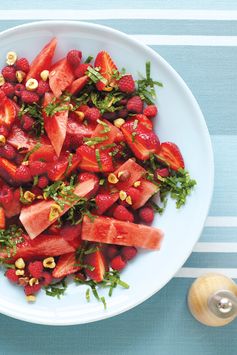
<point x="12" y="207"/>
<point x="105" y="201"/>
<point x="7" y="112"/>
<point x="170" y="154"/>
<point x="43" y="60"/>
<point x="106" y="131"/>
<point x="56" y="125"/>
<point x="7" y="170"/>
<point x="2" y="218"/>
<point x="146" y="214"/>
<point x="150" y="111"/>
<point x="164" y="172"/>
<point x="127" y="84"/>
<point x="66" y="265"/>
<point x="107" y="69"/>
<point x="81" y="70"/>
<point x="123" y="214"/>
<point x="97" y="261"/>
<point x="8" y="152"/>
<point x="20" y="140"/>
<point x="40" y="211"/>
<point x="140" y="139"/>
<point x="43" y="181"/>
<point x="23" y="174"/>
<point x="117" y="263"/>
<point x="60" y="77"/>
<point x="11" y="275"/>
<point x="144" y="120"/>
<point x="77" y="85"/>
<point x="111" y="231"/>
<point x="128" y="253"/>
<point x="76" y="132"/>
<point x="94" y="160"/>
<point x="61" y="168"/>
<point x="37" y="167"/>
<point x="35" y="269"/>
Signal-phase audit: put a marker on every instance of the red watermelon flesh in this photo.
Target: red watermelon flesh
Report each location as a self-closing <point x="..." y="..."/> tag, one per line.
<point x="77" y="85"/>
<point x="20" y="140"/>
<point x="43" y="60"/>
<point x="111" y="231"/>
<point x="136" y="172"/>
<point x="60" y="77"/>
<point x="66" y="265"/>
<point x="147" y="189"/>
<point x="35" y="218"/>
<point x="55" y="126"/>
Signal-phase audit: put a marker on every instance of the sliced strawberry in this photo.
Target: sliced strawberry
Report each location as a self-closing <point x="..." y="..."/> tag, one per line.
<point x="97" y="266"/>
<point x="63" y="167"/>
<point x="107" y="132"/>
<point x="170" y="154"/>
<point x="44" y="153"/>
<point x="14" y="207"/>
<point x="60" y="77"/>
<point x="20" y="140"/>
<point x="140" y="139"/>
<point x="43" y="60"/>
<point x="7" y="112"/>
<point x="144" y="120"/>
<point x="66" y="265"/>
<point x="107" y="69"/>
<point x="76" y="132"/>
<point x="105" y="201"/>
<point x="94" y="160"/>
<point x="77" y="85"/>
<point x="2" y="218"/>
<point x="7" y="170"/>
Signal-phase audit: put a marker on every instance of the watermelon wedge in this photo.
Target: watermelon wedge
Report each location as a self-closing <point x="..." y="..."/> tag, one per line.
<point x="43" y="60"/>
<point x="60" y="77"/>
<point x="35" y="218"/>
<point x="55" y="126"/>
<point x="77" y="85"/>
<point x="135" y="171"/>
<point x="147" y="189"/>
<point x="111" y="231"/>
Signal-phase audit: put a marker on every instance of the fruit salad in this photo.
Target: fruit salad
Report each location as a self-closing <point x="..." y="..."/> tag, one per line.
<point x="80" y="164"/>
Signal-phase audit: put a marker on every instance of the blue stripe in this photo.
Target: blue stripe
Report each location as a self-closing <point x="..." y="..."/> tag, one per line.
<point x="212" y="260"/>
<point x="219" y="234"/>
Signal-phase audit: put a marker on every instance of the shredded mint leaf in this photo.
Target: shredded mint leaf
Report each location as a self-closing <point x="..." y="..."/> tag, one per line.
<point x="146" y="86"/>
<point x="57" y="289"/>
<point x="9" y="238"/>
<point x="88" y="59"/>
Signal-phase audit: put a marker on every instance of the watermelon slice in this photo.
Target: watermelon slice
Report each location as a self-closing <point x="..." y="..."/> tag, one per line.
<point x="55" y="126"/>
<point x="43" y="60"/>
<point x="77" y="85"/>
<point x="60" y="77"/>
<point x="135" y="171"/>
<point x="147" y="189"/>
<point x="35" y="218"/>
<point x="111" y="231"/>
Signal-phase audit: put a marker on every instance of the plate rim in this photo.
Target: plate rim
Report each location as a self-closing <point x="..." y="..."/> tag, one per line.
<point x="206" y="137"/>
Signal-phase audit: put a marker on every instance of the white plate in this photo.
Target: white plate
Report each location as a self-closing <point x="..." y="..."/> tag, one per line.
<point x="180" y="120"/>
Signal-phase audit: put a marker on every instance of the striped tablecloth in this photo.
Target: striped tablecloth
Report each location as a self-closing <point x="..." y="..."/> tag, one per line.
<point x="199" y="39"/>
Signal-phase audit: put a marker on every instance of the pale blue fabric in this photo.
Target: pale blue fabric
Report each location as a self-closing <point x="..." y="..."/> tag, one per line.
<point x="162" y="325"/>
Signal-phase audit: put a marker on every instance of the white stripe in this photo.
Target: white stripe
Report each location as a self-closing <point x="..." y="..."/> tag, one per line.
<point x="156" y="14"/>
<point x="215" y="248"/>
<point x="196" y="272"/>
<point x="221" y="221"/>
<point x="170" y="40"/>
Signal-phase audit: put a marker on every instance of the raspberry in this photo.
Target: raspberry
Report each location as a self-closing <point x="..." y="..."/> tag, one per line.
<point x="128" y="253"/>
<point x="8" y="89"/>
<point x="27" y="122"/>
<point x="112" y="251"/>
<point x="150" y="111"/>
<point x="42" y="182"/>
<point x="29" y="97"/>
<point x="47" y="278"/>
<point x="126" y="84"/>
<point x="123" y="214"/>
<point x="2" y="95"/>
<point x="22" y="64"/>
<point x="92" y="114"/>
<point x="146" y="214"/>
<point x="118" y="263"/>
<point x="9" y="73"/>
<point x="18" y="89"/>
<point x="123" y="102"/>
<point x="23" y="174"/>
<point x="123" y="113"/>
<point x="110" y="116"/>
<point x="6" y="195"/>
<point x="8" y="152"/>
<point x="135" y="104"/>
<point x="81" y="70"/>
<point x="11" y="275"/>
<point x="162" y="172"/>
<point x="43" y="87"/>
<point x="35" y="269"/>
<point x="74" y="57"/>
<point x="31" y="290"/>
<point x="37" y="167"/>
